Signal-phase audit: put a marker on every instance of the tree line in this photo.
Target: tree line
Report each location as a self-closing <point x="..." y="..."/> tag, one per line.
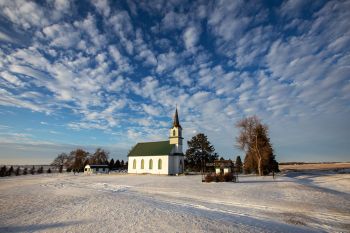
<point x="253" y="139"/>
<point x="77" y="159"/>
<point x="11" y="171"/>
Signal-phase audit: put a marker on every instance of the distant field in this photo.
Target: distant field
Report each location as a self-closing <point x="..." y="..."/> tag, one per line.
<point x="315" y="166"/>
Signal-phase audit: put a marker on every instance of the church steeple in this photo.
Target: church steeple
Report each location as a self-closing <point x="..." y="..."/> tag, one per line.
<point x="176" y="122"/>
<point x="175" y="134"/>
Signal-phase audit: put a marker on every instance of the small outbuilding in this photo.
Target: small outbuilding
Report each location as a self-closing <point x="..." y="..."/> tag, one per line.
<point x="223" y="166"/>
<point x="96" y="169"/>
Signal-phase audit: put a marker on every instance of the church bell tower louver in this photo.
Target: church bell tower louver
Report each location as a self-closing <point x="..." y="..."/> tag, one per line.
<point x="175" y="136"/>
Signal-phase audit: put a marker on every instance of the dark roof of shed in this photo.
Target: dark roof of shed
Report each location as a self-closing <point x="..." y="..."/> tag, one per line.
<point x="98" y="165"/>
<point x="151" y="148"/>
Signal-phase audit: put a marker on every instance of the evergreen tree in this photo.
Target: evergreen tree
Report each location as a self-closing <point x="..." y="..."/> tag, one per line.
<point x="40" y="170"/>
<point x="199" y="152"/>
<point x="25" y="171"/>
<point x="32" y="170"/>
<point x="122" y="164"/>
<point x="17" y="171"/>
<point x="111" y="164"/>
<point x="239" y="164"/>
<point x="10" y="171"/>
<point x="3" y="171"/>
<point x="117" y="164"/>
<point x="253" y="139"/>
<point x="49" y="170"/>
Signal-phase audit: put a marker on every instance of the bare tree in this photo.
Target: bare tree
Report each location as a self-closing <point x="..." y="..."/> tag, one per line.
<point x="77" y="159"/>
<point x="253" y="139"/>
<point x="99" y="157"/>
<point x="60" y="161"/>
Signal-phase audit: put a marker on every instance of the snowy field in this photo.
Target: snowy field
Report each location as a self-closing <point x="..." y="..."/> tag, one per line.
<point x="294" y="202"/>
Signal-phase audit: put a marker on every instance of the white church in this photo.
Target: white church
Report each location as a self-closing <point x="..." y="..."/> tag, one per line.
<point x="163" y="157"/>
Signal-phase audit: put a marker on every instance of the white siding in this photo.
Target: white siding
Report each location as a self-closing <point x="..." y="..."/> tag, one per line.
<point x="146" y="169"/>
<point x="170" y="165"/>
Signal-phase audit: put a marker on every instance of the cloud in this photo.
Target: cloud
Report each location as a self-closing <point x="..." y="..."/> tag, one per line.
<point x="7" y="38"/>
<point x="167" y="61"/>
<point x="150" y="110"/>
<point x="24" y="14"/>
<point x="12" y="79"/>
<point x="121" y="24"/>
<point x="174" y="20"/>
<point x="191" y="36"/>
<point x="102" y="7"/>
<point x="62" y="35"/>
<point x="121" y="61"/>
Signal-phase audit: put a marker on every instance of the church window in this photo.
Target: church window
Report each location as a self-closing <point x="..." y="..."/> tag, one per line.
<point x="142" y="164"/>
<point x="150" y="164"/>
<point x="174" y="132"/>
<point x="134" y="164"/>
<point x="159" y="164"/>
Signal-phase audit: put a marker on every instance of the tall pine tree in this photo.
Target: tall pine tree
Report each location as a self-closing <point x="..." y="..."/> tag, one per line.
<point x="239" y="164"/>
<point x="111" y="164"/>
<point x="199" y="152"/>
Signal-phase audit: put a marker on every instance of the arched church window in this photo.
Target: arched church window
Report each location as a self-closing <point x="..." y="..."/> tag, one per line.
<point x="150" y="164"/>
<point x="134" y="164"/>
<point x="159" y="164"/>
<point x="174" y="132"/>
<point x="142" y="164"/>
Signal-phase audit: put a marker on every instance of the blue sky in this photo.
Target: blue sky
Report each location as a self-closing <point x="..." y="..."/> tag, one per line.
<point x="108" y="74"/>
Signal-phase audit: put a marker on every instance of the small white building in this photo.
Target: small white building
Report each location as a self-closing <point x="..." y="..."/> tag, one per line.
<point x="96" y="169"/>
<point x="163" y="157"/>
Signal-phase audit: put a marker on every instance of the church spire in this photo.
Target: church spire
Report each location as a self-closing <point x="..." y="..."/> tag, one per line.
<point x="176" y="122"/>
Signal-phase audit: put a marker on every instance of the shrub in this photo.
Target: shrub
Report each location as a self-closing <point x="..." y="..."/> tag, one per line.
<point x="3" y="171"/>
<point x="228" y="177"/>
<point x="32" y="170"/>
<point x="210" y="177"/>
<point x="10" y="171"/>
<point x="17" y="171"/>
<point x="220" y="178"/>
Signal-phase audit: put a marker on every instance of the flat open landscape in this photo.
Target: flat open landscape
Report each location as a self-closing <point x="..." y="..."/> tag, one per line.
<point x="294" y="202"/>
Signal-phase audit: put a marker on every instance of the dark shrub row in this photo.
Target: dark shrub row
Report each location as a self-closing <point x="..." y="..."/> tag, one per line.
<point x="213" y="177"/>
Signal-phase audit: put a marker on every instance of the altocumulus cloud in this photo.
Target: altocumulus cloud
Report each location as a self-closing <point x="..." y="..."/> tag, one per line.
<point x="101" y="73"/>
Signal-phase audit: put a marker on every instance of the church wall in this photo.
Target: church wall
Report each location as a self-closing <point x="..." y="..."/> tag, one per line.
<point x="154" y="170"/>
<point x="175" y="167"/>
<point x="170" y="165"/>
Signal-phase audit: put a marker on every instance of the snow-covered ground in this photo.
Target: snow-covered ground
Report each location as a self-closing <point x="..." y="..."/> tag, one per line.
<point x="294" y="202"/>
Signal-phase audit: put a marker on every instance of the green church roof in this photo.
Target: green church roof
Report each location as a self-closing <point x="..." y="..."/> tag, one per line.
<point x="151" y="148"/>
